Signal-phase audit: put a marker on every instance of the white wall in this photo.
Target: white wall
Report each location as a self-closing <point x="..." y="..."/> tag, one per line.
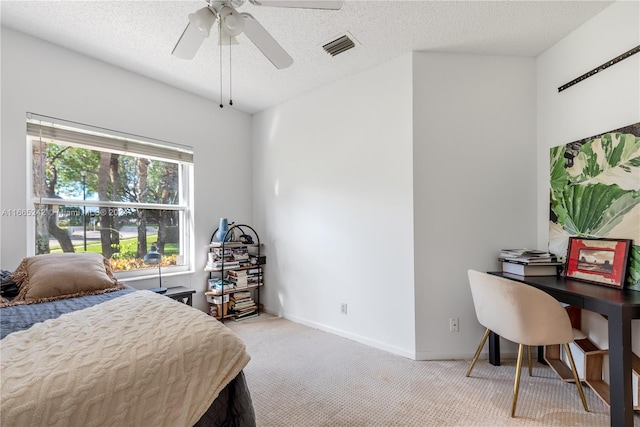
<point x="474" y="185"/>
<point x="46" y="79"/>
<point x="333" y="192"/>
<point x="603" y="102"/>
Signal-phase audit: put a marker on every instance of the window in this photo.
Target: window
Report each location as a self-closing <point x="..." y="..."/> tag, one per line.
<point x="103" y="191"/>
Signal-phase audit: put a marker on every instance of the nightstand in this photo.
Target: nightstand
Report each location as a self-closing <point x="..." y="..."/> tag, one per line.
<point x="180" y="293"/>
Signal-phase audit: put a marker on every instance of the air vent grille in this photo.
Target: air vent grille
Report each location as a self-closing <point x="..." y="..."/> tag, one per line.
<point x="339" y="45"/>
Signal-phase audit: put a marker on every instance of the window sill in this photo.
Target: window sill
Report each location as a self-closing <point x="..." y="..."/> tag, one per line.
<point x="150" y="276"/>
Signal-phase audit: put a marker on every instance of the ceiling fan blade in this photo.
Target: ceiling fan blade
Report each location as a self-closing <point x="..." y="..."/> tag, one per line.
<point x="197" y="30"/>
<point x="267" y="44"/>
<point x="189" y="43"/>
<point x="303" y="4"/>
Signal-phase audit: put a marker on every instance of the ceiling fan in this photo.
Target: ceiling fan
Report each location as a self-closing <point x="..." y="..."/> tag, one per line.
<point x="233" y="23"/>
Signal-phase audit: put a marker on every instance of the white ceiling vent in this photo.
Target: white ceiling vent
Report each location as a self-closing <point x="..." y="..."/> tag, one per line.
<point x="339" y="45"/>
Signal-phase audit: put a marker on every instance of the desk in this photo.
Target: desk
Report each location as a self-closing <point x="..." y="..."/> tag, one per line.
<point x="620" y="306"/>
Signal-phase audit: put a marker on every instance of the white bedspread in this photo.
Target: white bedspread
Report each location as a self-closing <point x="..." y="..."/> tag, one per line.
<point x="141" y="359"/>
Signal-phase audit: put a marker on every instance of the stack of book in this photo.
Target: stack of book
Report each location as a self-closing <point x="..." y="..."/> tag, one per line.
<point x="238" y="278"/>
<point x="241" y="255"/>
<point x="529" y="262"/>
<point x="215" y="261"/>
<point x="254" y="276"/>
<point x="243" y="305"/>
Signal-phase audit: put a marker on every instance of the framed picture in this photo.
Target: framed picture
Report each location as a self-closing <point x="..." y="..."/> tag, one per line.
<point x="601" y="261"/>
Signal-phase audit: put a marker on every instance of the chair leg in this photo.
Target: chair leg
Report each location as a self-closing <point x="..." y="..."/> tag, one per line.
<point x="529" y="360"/>
<point x="567" y="349"/>
<point x="475" y="357"/>
<point x="516" y="385"/>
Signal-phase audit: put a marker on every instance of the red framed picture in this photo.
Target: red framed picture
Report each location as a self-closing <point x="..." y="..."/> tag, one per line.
<point x="601" y="261"/>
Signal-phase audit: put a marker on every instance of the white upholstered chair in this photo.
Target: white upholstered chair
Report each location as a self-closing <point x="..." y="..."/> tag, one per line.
<point x="521" y="314"/>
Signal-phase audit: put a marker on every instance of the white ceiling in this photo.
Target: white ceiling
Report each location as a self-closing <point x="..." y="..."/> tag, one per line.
<point x="139" y="36"/>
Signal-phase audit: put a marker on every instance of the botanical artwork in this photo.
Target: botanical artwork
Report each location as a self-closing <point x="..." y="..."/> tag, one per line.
<point x="595" y="193"/>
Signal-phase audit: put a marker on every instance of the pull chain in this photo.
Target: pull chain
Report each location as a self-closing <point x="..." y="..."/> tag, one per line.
<point x="220" y="46"/>
<point x="230" y="97"/>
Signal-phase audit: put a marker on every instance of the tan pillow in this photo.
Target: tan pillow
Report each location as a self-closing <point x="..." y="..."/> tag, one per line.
<point x="56" y="276"/>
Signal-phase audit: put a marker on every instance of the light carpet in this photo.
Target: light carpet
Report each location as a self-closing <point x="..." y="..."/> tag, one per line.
<point x="300" y="376"/>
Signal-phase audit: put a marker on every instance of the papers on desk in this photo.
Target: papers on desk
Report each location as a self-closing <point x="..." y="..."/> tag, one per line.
<point x="526" y="256"/>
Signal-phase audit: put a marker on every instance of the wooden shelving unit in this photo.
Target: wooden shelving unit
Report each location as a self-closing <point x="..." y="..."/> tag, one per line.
<point x="553" y="356"/>
<point x="593" y="364"/>
<point x="593" y="374"/>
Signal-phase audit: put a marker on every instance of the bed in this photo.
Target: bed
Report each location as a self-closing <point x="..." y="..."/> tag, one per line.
<point x="114" y="357"/>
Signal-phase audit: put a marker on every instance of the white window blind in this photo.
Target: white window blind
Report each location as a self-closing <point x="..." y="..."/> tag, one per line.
<point x="117" y="142"/>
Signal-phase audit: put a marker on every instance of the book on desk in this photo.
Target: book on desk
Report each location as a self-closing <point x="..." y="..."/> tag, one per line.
<point x="527" y="262"/>
<point x="536" y="269"/>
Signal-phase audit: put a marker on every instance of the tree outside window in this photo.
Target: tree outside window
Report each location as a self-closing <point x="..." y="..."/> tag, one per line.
<point x="107" y="200"/>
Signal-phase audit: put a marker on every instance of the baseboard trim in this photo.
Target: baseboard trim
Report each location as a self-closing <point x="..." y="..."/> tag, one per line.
<point x="417" y="355"/>
<point x="354" y="337"/>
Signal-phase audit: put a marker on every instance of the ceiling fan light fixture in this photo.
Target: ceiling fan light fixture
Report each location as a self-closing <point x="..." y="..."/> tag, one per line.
<point x="232" y="21"/>
<point x="203" y="19"/>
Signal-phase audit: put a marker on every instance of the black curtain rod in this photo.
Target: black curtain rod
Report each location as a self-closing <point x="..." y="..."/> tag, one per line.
<point x="600" y="68"/>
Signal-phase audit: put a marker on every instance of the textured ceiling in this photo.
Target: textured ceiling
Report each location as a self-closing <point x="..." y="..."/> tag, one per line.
<point x="139" y="36"/>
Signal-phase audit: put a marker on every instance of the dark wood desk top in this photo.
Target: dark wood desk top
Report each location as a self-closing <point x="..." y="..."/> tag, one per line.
<point x="600" y="299"/>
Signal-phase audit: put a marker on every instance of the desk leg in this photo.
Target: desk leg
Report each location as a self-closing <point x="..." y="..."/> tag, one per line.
<point x="620" y="368"/>
<point x="541" y="355"/>
<point x="494" y="349"/>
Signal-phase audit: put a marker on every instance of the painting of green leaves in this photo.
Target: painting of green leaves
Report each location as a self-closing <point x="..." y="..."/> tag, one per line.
<point x="595" y="192"/>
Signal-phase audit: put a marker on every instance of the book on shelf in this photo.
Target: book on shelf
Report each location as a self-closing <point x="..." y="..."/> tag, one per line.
<point x="238" y="273"/>
<point x="241" y="298"/>
<point x="219" y="265"/>
<point x="246" y="316"/>
<point x="241" y="254"/>
<point x="217" y="252"/>
<point x="245" y="309"/>
<point x="541" y="269"/>
<point x="243" y="294"/>
<point x="239" y="281"/>
<point x="238" y="305"/>
<point x="232" y="244"/>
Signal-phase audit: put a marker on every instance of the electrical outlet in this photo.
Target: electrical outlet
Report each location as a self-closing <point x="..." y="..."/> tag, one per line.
<point x="343" y="308"/>
<point x="453" y="324"/>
